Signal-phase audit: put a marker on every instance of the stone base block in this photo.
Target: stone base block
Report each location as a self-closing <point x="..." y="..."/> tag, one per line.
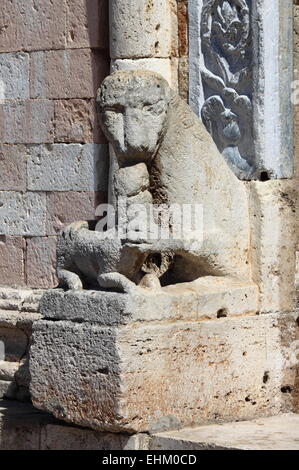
<point x="146" y="376"/>
<point x="204" y="299"/>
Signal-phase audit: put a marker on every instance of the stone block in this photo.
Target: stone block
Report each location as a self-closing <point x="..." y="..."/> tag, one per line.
<point x="73" y="167"/>
<point x="151" y="376"/>
<point x="7" y="389"/>
<point x="22" y="213"/>
<point x="147" y="31"/>
<point x="77" y="121"/>
<point x="88" y="24"/>
<point x="165" y="67"/>
<point x="58" y="437"/>
<point x="273" y="225"/>
<point x="31" y="25"/>
<point x="274" y="433"/>
<point x="40" y="262"/>
<point x="67" y="74"/>
<point x="66" y="207"/>
<point x="11" y="254"/>
<point x="206" y="298"/>
<point x="15" y="343"/>
<point x="14" y="76"/>
<point x="12" y="167"/>
<point x="8" y="370"/>
<point x="21" y="305"/>
<point x="26" y="122"/>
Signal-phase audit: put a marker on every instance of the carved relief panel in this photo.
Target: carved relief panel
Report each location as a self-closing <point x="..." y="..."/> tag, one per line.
<point x="236" y="82"/>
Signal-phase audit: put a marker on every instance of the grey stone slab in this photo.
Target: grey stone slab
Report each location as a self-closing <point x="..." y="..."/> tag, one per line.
<point x="247" y="79"/>
<point x="14" y="76"/>
<point x="279" y="432"/>
<point x="199" y="300"/>
<point x="68" y="167"/>
<point x="155" y="376"/>
<point x="22" y="213"/>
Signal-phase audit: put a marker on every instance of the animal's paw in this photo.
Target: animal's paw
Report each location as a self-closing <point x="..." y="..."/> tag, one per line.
<point x="116" y="281"/>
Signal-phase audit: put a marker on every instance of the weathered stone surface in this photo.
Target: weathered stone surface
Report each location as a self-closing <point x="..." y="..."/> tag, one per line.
<point x="26" y="122"/>
<point x="15" y="343"/>
<point x="23" y="427"/>
<point x="11" y="254"/>
<point x="273" y="221"/>
<point x="8" y="370"/>
<point x="57" y="437"/>
<point x="66" y="207"/>
<point x="241" y="83"/>
<point x="20" y="426"/>
<point x="274" y="433"/>
<point x="7" y="389"/>
<point x="32" y="25"/>
<point x="19" y="300"/>
<point x="14" y="76"/>
<point x="150" y="127"/>
<point x="40" y="262"/>
<point x="161" y="375"/>
<point x="165" y="67"/>
<point x="76" y="121"/>
<point x="142" y="29"/>
<point x="12" y="167"/>
<point x="22" y="213"/>
<point x="207" y="298"/>
<point x="67" y="74"/>
<point x="88" y="24"/>
<point x="72" y="167"/>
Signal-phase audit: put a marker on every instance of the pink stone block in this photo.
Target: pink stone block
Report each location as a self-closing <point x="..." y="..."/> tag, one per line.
<point x="88" y="23"/>
<point x="32" y="25"/>
<point x="76" y="121"/>
<point x="67" y="74"/>
<point x="11" y="261"/>
<point x="26" y="121"/>
<point x="12" y="168"/>
<point x="66" y="207"/>
<point x="41" y="262"/>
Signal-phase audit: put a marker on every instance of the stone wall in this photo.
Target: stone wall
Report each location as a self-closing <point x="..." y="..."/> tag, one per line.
<point x="53" y="56"/>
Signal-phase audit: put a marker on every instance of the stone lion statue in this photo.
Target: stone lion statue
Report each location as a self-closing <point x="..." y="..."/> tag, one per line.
<point x="163" y="157"/>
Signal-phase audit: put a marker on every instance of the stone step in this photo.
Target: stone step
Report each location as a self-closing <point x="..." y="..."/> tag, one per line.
<point x="275" y="433"/>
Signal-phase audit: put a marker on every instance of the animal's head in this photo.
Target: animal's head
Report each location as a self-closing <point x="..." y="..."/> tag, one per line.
<point x="133" y="108"/>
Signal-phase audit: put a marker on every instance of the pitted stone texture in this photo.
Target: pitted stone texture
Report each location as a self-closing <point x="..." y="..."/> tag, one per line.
<point x="142" y="29"/>
<point x="40" y="262"/>
<point x="12" y="167"/>
<point x="160" y="375"/>
<point x="22" y="213"/>
<point x="11" y="254"/>
<point x="88" y="24"/>
<point x="32" y="25"/>
<point x="273" y="221"/>
<point x="199" y="300"/>
<point x="67" y="74"/>
<point x="14" y="76"/>
<point x="274" y="433"/>
<point x="66" y="207"/>
<point x="25" y="122"/>
<point x="165" y="67"/>
<point x="72" y="167"/>
<point x="76" y="121"/>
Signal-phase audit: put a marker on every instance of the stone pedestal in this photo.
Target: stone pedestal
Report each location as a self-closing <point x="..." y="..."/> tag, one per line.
<point x="146" y="362"/>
